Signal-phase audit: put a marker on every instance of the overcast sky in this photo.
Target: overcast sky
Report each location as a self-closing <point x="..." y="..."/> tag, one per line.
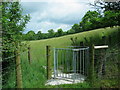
<point x="54" y="14"/>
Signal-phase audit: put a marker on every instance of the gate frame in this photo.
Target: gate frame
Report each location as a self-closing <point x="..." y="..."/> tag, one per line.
<point x="74" y="49"/>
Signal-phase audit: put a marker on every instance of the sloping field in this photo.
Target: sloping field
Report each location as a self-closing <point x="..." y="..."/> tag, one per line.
<point x="38" y="47"/>
<point x="34" y="74"/>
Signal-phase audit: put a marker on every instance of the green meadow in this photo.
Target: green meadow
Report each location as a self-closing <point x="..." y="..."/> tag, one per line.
<point x="34" y="74"/>
<point x="38" y="47"/>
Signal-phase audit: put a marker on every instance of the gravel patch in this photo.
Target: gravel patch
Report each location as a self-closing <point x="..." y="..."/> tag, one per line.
<point x="73" y="78"/>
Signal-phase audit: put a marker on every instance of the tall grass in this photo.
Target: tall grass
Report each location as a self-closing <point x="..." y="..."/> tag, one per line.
<point x="34" y="75"/>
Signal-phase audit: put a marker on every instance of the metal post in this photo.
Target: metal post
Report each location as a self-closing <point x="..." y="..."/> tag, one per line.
<point x="73" y="63"/>
<point x="54" y="63"/>
<point x="83" y="62"/>
<point x="80" y="62"/>
<point x="61" y="61"/>
<point x="67" y="61"/>
<point x="57" y="61"/>
<point x="88" y="61"/>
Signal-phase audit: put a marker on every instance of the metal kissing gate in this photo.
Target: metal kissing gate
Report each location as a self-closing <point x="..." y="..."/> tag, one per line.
<point x="71" y="63"/>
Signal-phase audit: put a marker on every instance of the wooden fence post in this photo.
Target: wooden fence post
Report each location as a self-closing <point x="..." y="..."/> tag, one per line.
<point x="18" y="69"/>
<point x="48" y="55"/>
<point x="91" y="69"/>
<point x="29" y="55"/>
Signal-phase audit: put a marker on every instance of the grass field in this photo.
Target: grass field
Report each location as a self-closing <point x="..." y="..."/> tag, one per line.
<point x="38" y="47"/>
<point x="34" y="75"/>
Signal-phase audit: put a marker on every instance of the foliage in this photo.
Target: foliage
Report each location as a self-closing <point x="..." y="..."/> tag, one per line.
<point x="13" y="23"/>
<point x="91" y="20"/>
<point x="39" y="35"/>
<point x="76" y="28"/>
<point x="71" y="31"/>
<point x="30" y="35"/>
<point x="107" y="6"/>
<point x="111" y="19"/>
<point x="51" y="33"/>
<point x="59" y="32"/>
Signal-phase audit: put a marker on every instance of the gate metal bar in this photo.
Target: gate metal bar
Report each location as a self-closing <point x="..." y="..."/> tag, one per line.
<point x="69" y="63"/>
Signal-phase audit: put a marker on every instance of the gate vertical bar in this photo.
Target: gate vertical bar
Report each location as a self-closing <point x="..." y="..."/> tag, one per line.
<point x="83" y="62"/>
<point x="57" y="62"/>
<point x="77" y="62"/>
<point x="80" y="61"/>
<point x="87" y="60"/>
<point x="73" y="65"/>
<point x="60" y="61"/>
<point x="54" y="63"/>
<point x="67" y="62"/>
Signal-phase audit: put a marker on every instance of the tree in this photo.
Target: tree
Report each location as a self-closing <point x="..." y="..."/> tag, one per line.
<point x="31" y="35"/>
<point x="76" y="28"/>
<point x="13" y="23"/>
<point x="39" y="35"/>
<point x="59" y="32"/>
<point x="91" y="20"/>
<point x="111" y="19"/>
<point x="71" y="31"/>
<point x="45" y="35"/>
<point x="51" y="33"/>
<point x="107" y="5"/>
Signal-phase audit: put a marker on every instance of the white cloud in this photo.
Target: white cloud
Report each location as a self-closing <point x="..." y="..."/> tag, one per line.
<point x="58" y="1"/>
<point x="54" y="14"/>
<point x="45" y="26"/>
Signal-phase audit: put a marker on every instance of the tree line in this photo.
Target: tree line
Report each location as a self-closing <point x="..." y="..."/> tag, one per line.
<point x="106" y="15"/>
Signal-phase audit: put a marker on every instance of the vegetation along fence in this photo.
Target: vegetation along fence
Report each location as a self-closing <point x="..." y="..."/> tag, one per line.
<point x="12" y="68"/>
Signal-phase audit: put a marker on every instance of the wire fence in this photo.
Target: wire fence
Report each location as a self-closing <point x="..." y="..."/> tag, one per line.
<point x="31" y="73"/>
<point x="106" y="62"/>
<point x="9" y="70"/>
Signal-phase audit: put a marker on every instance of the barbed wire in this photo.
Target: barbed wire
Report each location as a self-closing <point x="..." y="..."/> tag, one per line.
<point x="9" y="58"/>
